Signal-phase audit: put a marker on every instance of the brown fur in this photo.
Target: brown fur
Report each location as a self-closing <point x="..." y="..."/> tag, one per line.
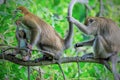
<point x="48" y="39"/>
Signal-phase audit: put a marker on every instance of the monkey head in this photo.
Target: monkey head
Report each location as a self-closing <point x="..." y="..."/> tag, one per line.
<point x="89" y="21"/>
<point x="22" y="34"/>
<point x="98" y="24"/>
<point x="23" y="10"/>
<point x="91" y="25"/>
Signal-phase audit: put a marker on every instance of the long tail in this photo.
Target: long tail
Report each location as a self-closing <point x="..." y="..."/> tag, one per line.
<point x="69" y="38"/>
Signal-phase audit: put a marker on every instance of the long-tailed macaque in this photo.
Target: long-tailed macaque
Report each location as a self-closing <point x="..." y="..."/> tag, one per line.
<point x="44" y="36"/>
<point x="106" y="42"/>
<point x="22" y="38"/>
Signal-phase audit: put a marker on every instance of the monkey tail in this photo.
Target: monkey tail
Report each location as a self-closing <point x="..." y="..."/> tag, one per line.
<point x="69" y="38"/>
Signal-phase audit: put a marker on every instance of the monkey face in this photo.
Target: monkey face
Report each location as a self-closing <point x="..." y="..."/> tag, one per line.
<point x="90" y="21"/>
<point x="22" y="9"/>
<point x="91" y="25"/>
<point x="22" y="34"/>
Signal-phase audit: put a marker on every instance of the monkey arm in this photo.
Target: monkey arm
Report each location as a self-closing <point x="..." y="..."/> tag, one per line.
<point x="82" y="27"/>
<point x="86" y="43"/>
<point x="17" y="35"/>
<point x="35" y="37"/>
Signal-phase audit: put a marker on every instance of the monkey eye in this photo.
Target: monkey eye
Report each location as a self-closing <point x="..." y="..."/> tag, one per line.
<point x="91" y="20"/>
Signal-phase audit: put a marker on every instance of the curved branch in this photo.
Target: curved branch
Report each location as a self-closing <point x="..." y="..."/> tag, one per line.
<point x="100" y="13"/>
<point x="33" y="63"/>
<point x="88" y="7"/>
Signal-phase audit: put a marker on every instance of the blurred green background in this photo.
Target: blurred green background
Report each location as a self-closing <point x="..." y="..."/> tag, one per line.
<point x="54" y="12"/>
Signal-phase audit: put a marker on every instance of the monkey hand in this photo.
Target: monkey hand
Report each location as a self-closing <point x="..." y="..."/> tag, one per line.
<point x="78" y="45"/>
<point x="87" y="56"/>
<point x="70" y="19"/>
<point x="29" y="46"/>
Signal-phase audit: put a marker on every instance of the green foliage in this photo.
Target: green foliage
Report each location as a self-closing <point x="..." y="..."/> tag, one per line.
<point x="54" y="12"/>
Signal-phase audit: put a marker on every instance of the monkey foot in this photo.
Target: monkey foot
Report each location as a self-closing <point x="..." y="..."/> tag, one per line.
<point x="26" y="58"/>
<point x="87" y="56"/>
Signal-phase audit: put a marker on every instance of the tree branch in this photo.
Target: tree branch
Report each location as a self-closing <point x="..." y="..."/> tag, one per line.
<point x="33" y="63"/>
<point x="100" y="13"/>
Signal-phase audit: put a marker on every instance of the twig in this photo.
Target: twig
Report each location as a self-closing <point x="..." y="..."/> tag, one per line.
<point x="78" y="69"/>
<point x="88" y="7"/>
<point x="59" y="64"/>
<point x="100" y="13"/>
<point x="28" y="68"/>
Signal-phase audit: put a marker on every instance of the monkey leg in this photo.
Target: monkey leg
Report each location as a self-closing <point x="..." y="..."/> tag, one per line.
<point x="114" y="68"/>
<point x="107" y="65"/>
<point x="91" y="56"/>
<point x="102" y="49"/>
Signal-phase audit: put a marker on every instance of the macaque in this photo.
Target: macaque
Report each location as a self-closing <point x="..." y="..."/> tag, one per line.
<point x="22" y="39"/>
<point x="44" y="36"/>
<point x="106" y="40"/>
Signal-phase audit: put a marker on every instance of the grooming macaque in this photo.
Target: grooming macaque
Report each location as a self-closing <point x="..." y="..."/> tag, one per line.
<point x="106" y="43"/>
<point x="44" y="36"/>
<point x="23" y="44"/>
